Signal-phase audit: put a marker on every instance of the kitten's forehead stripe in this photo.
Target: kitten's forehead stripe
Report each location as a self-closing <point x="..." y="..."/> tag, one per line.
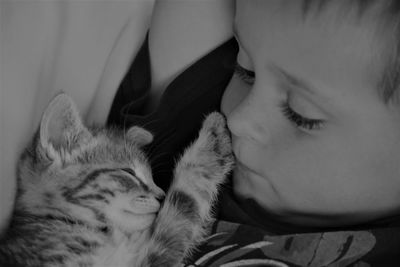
<point x="133" y="174"/>
<point x="89" y="178"/>
<point x="124" y="181"/>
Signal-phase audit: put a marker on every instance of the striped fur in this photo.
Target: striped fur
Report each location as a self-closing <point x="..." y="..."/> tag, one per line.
<point x="86" y="196"/>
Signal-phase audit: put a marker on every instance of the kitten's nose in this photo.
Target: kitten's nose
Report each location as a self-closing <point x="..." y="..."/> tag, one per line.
<point x="158" y="193"/>
<point x="144" y="204"/>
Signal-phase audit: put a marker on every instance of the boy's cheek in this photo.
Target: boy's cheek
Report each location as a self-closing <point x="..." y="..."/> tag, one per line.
<point x="339" y="193"/>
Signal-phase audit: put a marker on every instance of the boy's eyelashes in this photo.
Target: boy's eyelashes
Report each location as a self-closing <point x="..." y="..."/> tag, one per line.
<point x="300" y="121"/>
<point x="247" y="76"/>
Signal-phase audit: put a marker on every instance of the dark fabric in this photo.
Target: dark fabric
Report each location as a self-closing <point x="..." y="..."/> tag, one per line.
<point x="183" y="106"/>
<point x="243" y="231"/>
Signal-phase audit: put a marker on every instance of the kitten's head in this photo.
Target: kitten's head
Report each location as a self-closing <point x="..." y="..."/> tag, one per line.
<point x="94" y="175"/>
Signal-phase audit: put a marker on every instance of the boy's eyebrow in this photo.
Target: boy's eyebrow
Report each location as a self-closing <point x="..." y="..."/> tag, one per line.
<point x="293" y="80"/>
<point x="316" y="95"/>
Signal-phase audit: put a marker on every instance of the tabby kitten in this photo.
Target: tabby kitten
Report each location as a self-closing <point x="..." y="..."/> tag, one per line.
<point x="86" y="196"/>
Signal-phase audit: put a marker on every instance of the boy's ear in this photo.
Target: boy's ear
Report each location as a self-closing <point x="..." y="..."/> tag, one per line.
<point x="139" y="135"/>
<point x="61" y="126"/>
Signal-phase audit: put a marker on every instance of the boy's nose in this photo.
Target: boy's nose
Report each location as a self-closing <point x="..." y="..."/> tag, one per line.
<point x="247" y="121"/>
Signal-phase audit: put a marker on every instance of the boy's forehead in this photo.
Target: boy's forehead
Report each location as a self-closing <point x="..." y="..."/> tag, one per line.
<point x="331" y="45"/>
<point x="280" y="18"/>
<point x="334" y="25"/>
<point x="304" y="10"/>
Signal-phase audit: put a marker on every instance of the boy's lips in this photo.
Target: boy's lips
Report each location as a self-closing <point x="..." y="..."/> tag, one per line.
<point x="237" y="148"/>
<point x="244" y="170"/>
<point x="258" y="181"/>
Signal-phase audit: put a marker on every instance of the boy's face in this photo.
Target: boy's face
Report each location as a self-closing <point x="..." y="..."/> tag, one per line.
<point x="314" y="142"/>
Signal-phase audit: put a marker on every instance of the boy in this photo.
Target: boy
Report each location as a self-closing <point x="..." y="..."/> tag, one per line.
<point x="314" y="117"/>
<point x="313" y="112"/>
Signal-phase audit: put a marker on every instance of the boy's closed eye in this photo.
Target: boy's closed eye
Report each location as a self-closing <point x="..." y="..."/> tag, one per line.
<point x="297" y="119"/>
<point x="247" y="76"/>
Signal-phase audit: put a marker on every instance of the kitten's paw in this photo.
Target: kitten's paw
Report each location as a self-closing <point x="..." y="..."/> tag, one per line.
<point x="217" y="140"/>
<point x="210" y="156"/>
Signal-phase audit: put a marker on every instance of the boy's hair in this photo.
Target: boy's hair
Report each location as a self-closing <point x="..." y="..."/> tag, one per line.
<point x="389" y="18"/>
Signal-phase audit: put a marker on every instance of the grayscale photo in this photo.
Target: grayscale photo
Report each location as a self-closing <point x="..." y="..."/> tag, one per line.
<point x="200" y="133"/>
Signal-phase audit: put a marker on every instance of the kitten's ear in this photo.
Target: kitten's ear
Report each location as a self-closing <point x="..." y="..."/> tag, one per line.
<point x="61" y="126"/>
<point x="139" y="135"/>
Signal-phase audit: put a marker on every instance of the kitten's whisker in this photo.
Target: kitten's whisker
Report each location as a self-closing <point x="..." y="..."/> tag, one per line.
<point x="165" y="138"/>
<point x="149" y="122"/>
<point x="156" y="143"/>
<point x="161" y="141"/>
<point x="162" y="171"/>
<point x="161" y="167"/>
<point x="155" y="158"/>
